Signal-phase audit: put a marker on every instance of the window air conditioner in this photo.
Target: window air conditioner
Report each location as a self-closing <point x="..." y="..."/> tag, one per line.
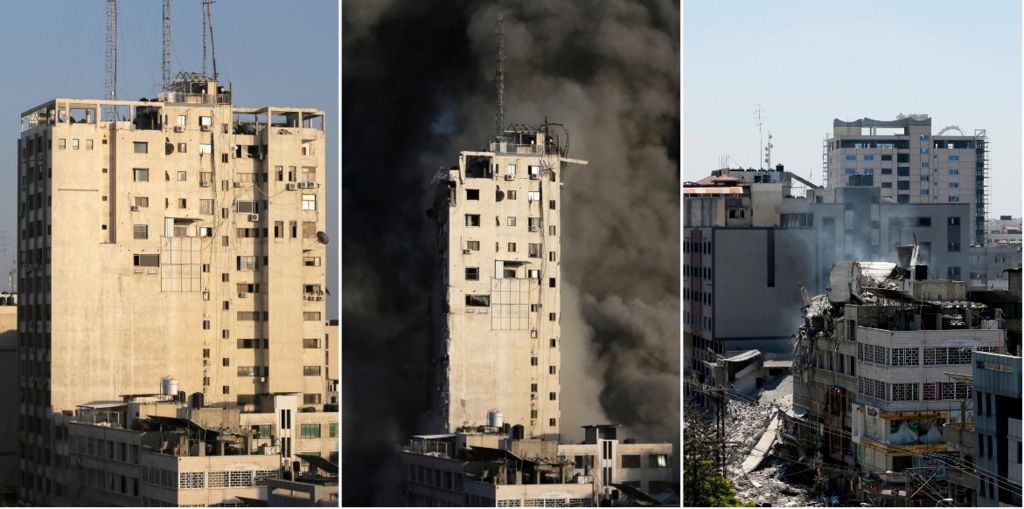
<point x="290" y="186"/>
<point x="204" y="183"/>
<point x="302" y="185"/>
<point x="236" y="184"/>
<point x="465" y="251"/>
<point x="254" y="217"/>
<point x="179" y="128"/>
<point x="312" y="185"/>
<point x="134" y="208"/>
<point x="510" y="177"/>
<point x="241" y="295"/>
<point x="204" y="128"/>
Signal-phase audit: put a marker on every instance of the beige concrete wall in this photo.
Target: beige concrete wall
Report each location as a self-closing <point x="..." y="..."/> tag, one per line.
<point x="115" y="328"/>
<point x="107" y="311"/>
<point x="490" y="366"/>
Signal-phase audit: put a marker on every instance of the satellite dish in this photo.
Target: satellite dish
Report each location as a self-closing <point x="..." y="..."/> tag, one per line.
<point x="322" y="238"/>
<point x="499" y="195"/>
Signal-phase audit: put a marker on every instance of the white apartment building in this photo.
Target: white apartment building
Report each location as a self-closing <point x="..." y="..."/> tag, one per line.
<point x="174" y="237"/>
<point x="498" y="307"/>
<point x="620" y="462"/>
<point x="910" y="164"/>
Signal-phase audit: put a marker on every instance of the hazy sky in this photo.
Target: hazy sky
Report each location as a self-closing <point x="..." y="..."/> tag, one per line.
<point x="274" y="53"/>
<point x="808" y="62"/>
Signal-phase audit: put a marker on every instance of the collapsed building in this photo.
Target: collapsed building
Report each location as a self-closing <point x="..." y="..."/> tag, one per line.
<point x="879" y="368"/>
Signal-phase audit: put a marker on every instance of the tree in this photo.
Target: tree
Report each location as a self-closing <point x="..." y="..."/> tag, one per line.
<point x="703" y="483"/>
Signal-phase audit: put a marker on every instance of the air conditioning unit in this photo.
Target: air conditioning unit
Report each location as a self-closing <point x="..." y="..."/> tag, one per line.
<point x="290" y="186"/>
<point x="236" y="184"/>
<point x="134" y="208"/>
<point x="204" y="128"/>
<point x="241" y="295"/>
<point x="318" y="297"/>
<point x="510" y="177"/>
<point x="204" y="183"/>
<point x="301" y="185"/>
<point x="254" y="217"/>
<point x="179" y="128"/>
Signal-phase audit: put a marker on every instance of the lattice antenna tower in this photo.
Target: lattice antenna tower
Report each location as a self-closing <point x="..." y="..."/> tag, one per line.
<point x="768" y="151"/>
<point x="208" y="38"/>
<point x="759" y="118"/>
<point x="110" y="84"/>
<point x="499" y="77"/>
<point x="166" y="65"/>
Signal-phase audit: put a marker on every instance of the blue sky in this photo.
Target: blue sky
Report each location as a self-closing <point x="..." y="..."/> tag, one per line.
<point x="272" y="52"/>
<point x="808" y="62"/>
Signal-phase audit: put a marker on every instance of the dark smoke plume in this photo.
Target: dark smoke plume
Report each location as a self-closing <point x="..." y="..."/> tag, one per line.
<point x="418" y="87"/>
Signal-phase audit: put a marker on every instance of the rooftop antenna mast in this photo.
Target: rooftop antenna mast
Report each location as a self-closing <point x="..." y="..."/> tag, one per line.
<point x="499" y="77"/>
<point x="208" y="35"/>
<point x="760" y="118"/>
<point x="166" y="67"/>
<point x="110" y="85"/>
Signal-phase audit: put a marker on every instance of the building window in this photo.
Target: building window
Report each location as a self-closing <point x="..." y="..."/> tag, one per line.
<point x="140" y="231"/>
<point x="245" y="263"/>
<point x="311" y="399"/>
<point x="62" y="143"/>
<point x="552" y="396"/>
<point x="472" y="219"/>
<point x="146" y="260"/>
<point x="182" y="204"/>
<point x="630" y="461"/>
<point x="311" y="316"/>
<point x="511" y="247"/>
<point x="478" y="300"/>
<point x="140" y="175"/>
<point x="311" y="343"/>
<point x="954" y="158"/>
<point x="511" y="194"/>
<point x="182" y="176"/>
<point x="869" y="157"/>
<point x="141" y="147"/>
<point x="869" y="171"/>
<point x="552" y="370"/>
<point x="954" y="171"/>
<point x="308" y="201"/>
<point x="332" y="430"/>
<point x="552" y="422"/>
<point x="851" y="157"/>
<point x="551" y="282"/>
<point x="851" y="171"/>
<point x="551" y="318"/>
<point x="311" y="371"/>
<point x="657" y="461"/>
<point x="472" y="273"/>
<point x="533" y="195"/>
<point x="472" y="194"/>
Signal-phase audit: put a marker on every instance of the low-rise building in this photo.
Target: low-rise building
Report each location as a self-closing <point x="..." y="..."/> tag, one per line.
<point x="877" y="370"/>
<point x="497" y="467"/>
<point x="155" y="450"/>
<point x="9" y="470"/>
<point x="997" y="425"/>
<point x="988" y="265"/>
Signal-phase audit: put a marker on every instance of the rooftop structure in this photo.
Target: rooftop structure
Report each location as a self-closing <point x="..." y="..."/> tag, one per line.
<point x="221" y="288"/>
<point x="497" y="311"/>
<point x="156" y="450"/>
<point x="497" y="466"/>
<point x="910" y="164"/>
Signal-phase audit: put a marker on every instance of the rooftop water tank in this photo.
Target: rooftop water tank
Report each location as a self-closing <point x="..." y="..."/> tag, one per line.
<point x="495" y="419"/>
<point x="169" y="386"/>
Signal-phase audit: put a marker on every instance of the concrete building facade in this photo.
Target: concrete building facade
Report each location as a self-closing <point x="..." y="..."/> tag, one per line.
<point x="997" y="428"/>
<point x="497" y="306"/>
<point x="180" y="239"/>
<point x="10" y="475"/>
<point x="857" y="223"/>
<point x="879" y="373"/>
<point x="910" y="164"/>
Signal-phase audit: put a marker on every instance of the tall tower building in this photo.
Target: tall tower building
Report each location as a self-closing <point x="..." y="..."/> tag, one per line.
<point x="497" y="310"/>
<point x="175" y="237"/>
<point x="911" y="164"/>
